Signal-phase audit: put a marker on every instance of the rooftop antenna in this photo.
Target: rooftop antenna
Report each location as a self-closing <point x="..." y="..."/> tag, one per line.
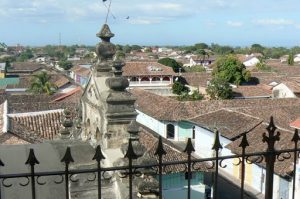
<point x="59" y="38"/>
<point x="108" y="10"/>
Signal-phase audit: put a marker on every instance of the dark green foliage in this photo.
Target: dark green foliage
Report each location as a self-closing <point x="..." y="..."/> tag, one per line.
<point x="257" y="48"/>
<point x="179" y="88"/>
<point x="230" y="69"/>
<point x="9" y="59"/>
<point x="201" y="46"/>
<point x="263" y="67"/>
<point x="219" y="89"/>
<point x="194" y="69"/>
<point x="40" y="83"/>
<point x="136" y="47"/>
<point x="291" y="60"/>
<point x="127" y="49"/>
<point x="221" y="50"/>
<point x="171" y="63"/>
<point x="193" y="97"/>
<point x="66" y="65"/>
<point x="27" y="54"/>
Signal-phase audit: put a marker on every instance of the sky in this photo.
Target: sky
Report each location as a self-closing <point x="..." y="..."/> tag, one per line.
<point x="151" y="22"/>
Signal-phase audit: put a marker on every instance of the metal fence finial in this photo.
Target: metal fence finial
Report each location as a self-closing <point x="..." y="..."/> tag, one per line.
<point x="244" y="143"/>
<point x="217" y="144"/>
<point x="67" y="157"/>
<point x="98" y="154"/>
<point x="32" y="160"/>
<point x="189" y="147"/>
<point x="160" y="151"/>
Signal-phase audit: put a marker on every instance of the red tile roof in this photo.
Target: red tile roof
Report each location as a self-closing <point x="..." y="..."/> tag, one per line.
<point x="295" y="124"/>
<point x="252" y="91"/>
<point x="229" y="123"/>
<point x="68" y="94"/>
<point x="283" y="168"/>
<point x="39" y="125"/>
<point x="146" y="68"/>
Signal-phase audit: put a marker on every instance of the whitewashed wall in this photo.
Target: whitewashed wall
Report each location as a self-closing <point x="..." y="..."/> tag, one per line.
<point x="156" y="125"/>
<point x="282" y="91"/>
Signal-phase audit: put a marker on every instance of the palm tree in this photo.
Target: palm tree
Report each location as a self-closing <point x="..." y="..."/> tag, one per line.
<point x="40" y="83"/>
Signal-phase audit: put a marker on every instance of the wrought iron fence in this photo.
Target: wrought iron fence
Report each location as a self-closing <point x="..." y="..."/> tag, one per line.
<point x="270" y="156"/>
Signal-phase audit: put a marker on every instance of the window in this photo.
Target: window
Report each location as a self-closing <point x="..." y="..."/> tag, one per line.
<point x="170" y="131"/>
<point x="134" y="79"/>
<point x="166" y="79"/>
<point x="88" y="125"/>
<point x="145" y="79"/>
<point x="155" y="79"/>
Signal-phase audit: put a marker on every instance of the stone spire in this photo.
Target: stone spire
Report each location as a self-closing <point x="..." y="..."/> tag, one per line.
<point x="67" y="124"/>
<point x="105" y="50"/>
<point x="107" y="106"/>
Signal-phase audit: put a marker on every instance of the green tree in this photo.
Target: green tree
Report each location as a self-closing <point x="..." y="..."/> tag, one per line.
<point x="27" y="54"/>
<point x="136" y="47"/>
<point x="193" y="97"/>
<point x="171" y="63"/>
<point x="40" y="83"/>
<point x="202" y="53"/>
<point x="127" y="49"/>
<point x="179" y="88"/>
<point x="257" y="48"/>
<point x="66" y="65"/>
<point x="201" y="46"/>
<point x="291" y="60"/>
<point x="263" y="67"/>
<point x="229" y="68"/>
<point x="219" y="89"/>
<point x="222" y="50"/>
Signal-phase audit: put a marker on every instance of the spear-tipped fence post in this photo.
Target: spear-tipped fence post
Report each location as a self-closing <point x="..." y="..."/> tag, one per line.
<point x="98" y="157"/>
<point x="1" y="165"/>
<point x="160" y="152"/>
<point x="244" y="144"/>
<point x="295" y="139"/>
<point x="189" y="150"/>
<point x="216" y="147"/>
<point x="131" y="156"/>
<point x="271" y="138"/>
<point x="67" y="159"/>
<point x="32" y="161"/>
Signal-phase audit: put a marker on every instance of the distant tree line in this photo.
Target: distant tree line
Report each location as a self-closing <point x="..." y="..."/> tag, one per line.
<point x="267" y="52"/>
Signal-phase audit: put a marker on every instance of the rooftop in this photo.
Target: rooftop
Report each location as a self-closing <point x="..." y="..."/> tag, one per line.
<point x="146" y="68"/>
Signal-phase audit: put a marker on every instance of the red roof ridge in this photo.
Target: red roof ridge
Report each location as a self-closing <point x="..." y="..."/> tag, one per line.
<point x="67" y="94"/>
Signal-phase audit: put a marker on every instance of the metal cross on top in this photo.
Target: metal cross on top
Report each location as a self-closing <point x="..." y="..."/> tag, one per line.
<point x="108" y="10"/>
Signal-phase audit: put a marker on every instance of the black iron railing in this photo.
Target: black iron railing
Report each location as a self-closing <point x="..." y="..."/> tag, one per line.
<point x="270" y="156"/>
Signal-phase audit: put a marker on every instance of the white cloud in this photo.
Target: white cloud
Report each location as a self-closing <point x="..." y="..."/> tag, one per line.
<point x="234" y="23"/>
<point x="147" y="21"/>
<point x="280" y="22"/>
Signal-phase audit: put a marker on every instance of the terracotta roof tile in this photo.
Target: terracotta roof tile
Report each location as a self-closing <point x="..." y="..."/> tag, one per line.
<point x="254" y="138"/>
<point x="146" y="68"/>
<point x="149" y="139"/>
<point x="252" y="91"/>
<point x="44" y="125"/>
<point x="230" y="124"/>
<point x="295" y="124"/>
<point x="25" y="66"/>
<point x="197" y="79"/>
<point x="164" y="108"/>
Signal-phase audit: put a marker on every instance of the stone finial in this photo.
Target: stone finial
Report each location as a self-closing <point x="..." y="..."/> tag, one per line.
<point x="105" y="50"/>
<point x="67" y="124"/>
<point x="133" y="128"/>
<point x="105" y="34"/>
